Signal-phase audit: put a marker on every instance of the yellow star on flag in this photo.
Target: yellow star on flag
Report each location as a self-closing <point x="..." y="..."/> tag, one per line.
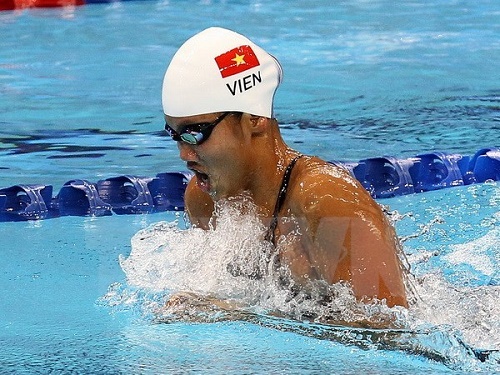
<point x="239" y="59"/>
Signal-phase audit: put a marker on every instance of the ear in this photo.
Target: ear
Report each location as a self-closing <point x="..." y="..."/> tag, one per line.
<point x="257" y="124"/>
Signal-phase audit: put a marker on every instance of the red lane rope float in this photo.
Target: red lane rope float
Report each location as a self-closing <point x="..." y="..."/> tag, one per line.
<point x="23" y="4"/>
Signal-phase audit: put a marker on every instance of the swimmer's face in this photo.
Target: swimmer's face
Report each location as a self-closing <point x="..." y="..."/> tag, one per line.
<point x="219" y="161"/>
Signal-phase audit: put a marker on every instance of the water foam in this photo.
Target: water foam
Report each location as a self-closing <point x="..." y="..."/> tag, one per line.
<point x="471" y="312"/>
<point x="456" y="275"/>
<point x="233" y="263"/>
<point x="164" y="257"/>
<point x="189" y="274"/>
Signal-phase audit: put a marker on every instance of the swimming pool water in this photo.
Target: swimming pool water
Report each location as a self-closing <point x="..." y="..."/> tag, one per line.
<point x="81" y="87"/>
<point x="80" y="98"/>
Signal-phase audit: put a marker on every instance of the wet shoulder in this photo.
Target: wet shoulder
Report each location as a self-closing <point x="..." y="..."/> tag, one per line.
<point x="321" y="186"/>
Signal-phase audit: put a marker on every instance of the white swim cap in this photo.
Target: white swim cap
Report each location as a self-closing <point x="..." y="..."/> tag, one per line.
<point x="218" y="70"/>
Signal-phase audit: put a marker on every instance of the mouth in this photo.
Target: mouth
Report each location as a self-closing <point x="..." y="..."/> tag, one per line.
<point x="202" y="180"/>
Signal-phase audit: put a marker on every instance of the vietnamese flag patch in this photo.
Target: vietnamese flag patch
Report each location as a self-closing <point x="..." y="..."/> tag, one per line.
<point x="236" y="61"/>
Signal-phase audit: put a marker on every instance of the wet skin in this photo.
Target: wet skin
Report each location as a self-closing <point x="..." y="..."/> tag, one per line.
<point x="343" y="233"/>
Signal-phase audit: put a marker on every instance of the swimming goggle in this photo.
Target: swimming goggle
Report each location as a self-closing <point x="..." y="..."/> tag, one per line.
<point x="195" y="134"/>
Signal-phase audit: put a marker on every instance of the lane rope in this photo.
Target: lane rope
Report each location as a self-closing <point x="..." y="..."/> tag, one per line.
<point x="382" y="177"/>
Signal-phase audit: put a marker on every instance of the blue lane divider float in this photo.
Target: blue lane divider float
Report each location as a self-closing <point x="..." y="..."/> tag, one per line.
<point x="127" y="194"/>
<point x="387" y="177"/>
<point x="120" y="195"/>
<point x="382" y="177"/>
<point x="25" y="202"/>
<point x="79" y="198"/>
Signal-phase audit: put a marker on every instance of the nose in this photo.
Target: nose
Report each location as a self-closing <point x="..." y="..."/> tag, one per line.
<point x="187" y="152"/>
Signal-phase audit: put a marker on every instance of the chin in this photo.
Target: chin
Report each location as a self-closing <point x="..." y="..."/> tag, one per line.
<point x="217" y="193"/>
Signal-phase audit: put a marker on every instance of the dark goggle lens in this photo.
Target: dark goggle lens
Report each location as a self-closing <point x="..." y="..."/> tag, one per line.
<point x="172" y="133"/>
<point x="196" y="133"/>
<point x="192" y="138"/>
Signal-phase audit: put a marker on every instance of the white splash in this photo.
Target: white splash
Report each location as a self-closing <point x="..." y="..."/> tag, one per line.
<point x="164" y="257"/>
<point x="232" y="262"/>
<point x="190" y="274"/>
<point x="474" y="312"/>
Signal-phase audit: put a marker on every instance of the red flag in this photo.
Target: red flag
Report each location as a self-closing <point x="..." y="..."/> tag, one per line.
<point x="236" y="61"/>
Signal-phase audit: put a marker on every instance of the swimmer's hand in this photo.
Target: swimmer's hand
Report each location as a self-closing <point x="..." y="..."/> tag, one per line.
<point x="191" y="307"/>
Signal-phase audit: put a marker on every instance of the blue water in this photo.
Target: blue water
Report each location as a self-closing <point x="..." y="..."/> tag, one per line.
<point x="80" y="98"/>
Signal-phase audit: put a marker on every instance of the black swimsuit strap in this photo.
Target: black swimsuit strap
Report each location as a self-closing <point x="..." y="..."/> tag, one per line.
<point x="270" y="236"/>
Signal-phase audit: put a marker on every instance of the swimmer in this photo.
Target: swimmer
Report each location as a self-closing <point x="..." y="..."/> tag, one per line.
<point x="217" y="97"/>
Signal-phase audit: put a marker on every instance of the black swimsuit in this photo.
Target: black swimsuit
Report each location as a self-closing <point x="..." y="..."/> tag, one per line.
<point x="271" y="235"/>
<point x="256" y="273"/>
